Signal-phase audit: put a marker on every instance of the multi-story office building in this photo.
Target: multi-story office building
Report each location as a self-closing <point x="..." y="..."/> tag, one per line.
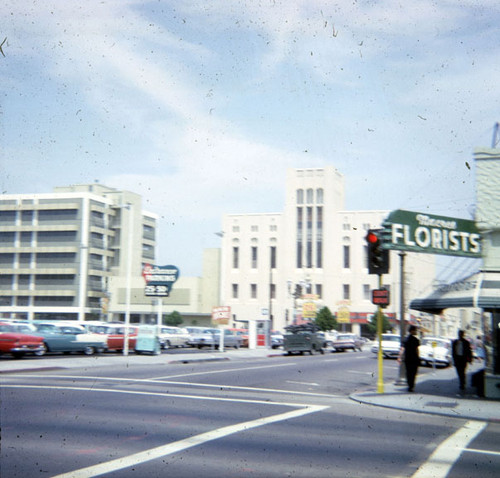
<point x="78" y="253"/>
<point x="60" y="252"/>
<point x="314" y="254"/>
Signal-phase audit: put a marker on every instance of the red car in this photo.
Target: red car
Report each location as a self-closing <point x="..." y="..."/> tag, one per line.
<point x="17" y="344"/>
<point x="116" y="337"/>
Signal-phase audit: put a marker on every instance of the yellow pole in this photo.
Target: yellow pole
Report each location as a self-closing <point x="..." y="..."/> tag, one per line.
<point x="380" y="380"/>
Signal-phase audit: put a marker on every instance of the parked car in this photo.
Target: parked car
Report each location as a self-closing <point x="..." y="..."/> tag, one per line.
<point x="210" y="337"/>
<point x="344" y="342"/>
<point x="277" y="339"/>
<point x="70" y="338"/>
<point x="391" y="345"/>
<point x="115" y="334"/>
<point x="435" y="350"/>
<point x="173" y="337"/>
<point x="243" y="333"/>
<point x="17" y="343"/>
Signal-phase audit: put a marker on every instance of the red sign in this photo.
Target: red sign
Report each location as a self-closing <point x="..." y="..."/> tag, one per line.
<point x="380" y="297"/>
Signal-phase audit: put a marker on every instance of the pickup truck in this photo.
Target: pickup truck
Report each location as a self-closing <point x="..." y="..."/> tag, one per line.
<point x="302" y="338"/>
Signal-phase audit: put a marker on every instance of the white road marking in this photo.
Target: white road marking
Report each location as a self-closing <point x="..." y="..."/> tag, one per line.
<point x="225" y="370"/>
<point x="159" y="394"/>
<point x="484" y="452"/>
<point x="444" y="457"/>
<point x="181" y="445"/>
<point x="304" y="383"/>
<point x="191" y="384"/>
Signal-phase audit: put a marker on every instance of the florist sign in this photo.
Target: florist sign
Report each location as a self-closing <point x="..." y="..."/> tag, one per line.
<point x="420" y="232"/>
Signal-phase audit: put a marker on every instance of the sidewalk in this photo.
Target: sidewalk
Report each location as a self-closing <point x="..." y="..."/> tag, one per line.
<point x="436" y="393"/>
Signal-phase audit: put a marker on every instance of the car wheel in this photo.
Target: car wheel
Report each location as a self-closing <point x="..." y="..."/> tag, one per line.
<point x="166" y="345"/>
<point x="89" y="350"/>
<point x="44" y="350"/>
<point x="17" y="355"/>
<point x="237" y="346"/>
<point x="101" y="350"/>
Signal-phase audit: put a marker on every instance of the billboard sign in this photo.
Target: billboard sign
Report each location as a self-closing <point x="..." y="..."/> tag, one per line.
<point x="221" y="315"/>
<point x="421" y="232"/>
<point x="159" y="279"/>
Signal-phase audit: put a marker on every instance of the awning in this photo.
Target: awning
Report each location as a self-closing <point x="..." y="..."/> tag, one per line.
<point x="480" y="290"/>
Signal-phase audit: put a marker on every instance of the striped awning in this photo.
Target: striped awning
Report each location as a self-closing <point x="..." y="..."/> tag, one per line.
<point x="480" y="290"/>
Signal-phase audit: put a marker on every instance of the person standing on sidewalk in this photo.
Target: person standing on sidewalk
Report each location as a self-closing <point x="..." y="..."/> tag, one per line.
<point x="462" y="355"/>
<point x="409" y="353"/>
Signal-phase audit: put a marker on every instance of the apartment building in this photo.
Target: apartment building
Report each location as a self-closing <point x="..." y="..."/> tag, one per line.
<point x="281" y="266"/>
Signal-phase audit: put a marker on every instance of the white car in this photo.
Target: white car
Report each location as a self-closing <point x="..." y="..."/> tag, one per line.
<point x="171" y="336"/>
<point x="391" y="345"/>
<point x="435" y="350"/>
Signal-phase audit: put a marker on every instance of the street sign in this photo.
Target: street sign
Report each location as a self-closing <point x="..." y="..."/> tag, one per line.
<point x="159" y="279"/>
<point x="381" y="297"/>
<point x="421" y="232"/>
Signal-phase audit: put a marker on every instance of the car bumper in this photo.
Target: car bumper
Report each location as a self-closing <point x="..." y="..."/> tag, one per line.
<point x="27" y="349"/>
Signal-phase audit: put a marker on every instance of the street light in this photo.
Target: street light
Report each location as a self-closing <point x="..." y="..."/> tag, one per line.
<point x="128" y="284"/>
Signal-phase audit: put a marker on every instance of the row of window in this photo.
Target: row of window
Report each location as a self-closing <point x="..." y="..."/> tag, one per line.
<point x="310" y="196"/>
<point x="316" y="289"/>
<point x="254" y="254"/>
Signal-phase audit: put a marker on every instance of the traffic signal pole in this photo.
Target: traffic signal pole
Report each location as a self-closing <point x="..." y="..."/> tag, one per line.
<point x="380" y="356"/>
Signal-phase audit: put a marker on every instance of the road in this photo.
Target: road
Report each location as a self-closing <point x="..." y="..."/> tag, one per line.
<point x="267" y="417"/>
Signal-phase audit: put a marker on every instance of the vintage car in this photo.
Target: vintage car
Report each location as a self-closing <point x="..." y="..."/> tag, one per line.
<point x="303" y="338"/>
<point x="345" y="342"/>
<point x="173" y="336"/>
<point x="391" y="345"/>
<point x="69" y="338"/>
<point x="18" y="343"/>
<point x="435" y="350"/>
<point x="210" y="337"/>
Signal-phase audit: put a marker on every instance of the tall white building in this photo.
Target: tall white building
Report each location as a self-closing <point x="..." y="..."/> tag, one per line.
<point x="314" y="254"/>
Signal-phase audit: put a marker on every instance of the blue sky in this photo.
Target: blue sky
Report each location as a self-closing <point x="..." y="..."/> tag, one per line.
<point x="201" y="106"/>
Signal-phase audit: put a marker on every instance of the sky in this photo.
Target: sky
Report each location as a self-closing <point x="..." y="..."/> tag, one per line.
<point x="201" y="106"/>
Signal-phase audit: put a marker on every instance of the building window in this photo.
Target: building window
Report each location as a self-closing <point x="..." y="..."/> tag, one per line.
<point x="254" y="228"/>
<point x="300" y="196"/>
<point x="309" y="212"/>
<point x="346" y="292"/>
<point x="272" y="291"/>
<point x="319" y="237"/>
<point x="365" y="253"/>
<point x="310" y="196"/>
<point x="273" y="228"/>
<point x="366" y="292"/>
<point x="236" y="257"/>
<point x="236" y="228"/>
<point x="319" y="290"/>
<point x="235" y="291"/>
<point x="346" y="227"/>
<point x="273" y="257"/>
<point x="347" y="257"/>
<point x="253" y="291"/>
<point x="254" y="257"/>
<point x="319" y="196"/>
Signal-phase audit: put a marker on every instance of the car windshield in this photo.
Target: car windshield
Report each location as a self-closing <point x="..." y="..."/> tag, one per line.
<point x="345" y="337"/>
<point x="390" y="338"/>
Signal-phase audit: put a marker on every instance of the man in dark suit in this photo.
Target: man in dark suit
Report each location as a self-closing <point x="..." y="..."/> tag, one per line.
<point x="409" y="353"/>
<point x="462" y="355"/>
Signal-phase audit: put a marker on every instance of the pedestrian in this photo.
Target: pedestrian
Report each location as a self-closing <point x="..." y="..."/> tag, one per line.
<point x="409" y="353"/>
<point x="462" y="355"/>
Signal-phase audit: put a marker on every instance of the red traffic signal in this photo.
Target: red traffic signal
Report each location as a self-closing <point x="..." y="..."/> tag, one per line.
<point x="378" y="257"/>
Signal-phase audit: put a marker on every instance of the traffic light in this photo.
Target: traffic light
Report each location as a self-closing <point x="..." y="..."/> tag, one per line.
<point x="378" y="257"/>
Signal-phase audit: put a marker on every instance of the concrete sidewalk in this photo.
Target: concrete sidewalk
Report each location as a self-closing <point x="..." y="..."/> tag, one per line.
<point x="436" y="393"/>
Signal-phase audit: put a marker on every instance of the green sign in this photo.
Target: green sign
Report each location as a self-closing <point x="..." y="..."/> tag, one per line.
<point x="421" y="232"/>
